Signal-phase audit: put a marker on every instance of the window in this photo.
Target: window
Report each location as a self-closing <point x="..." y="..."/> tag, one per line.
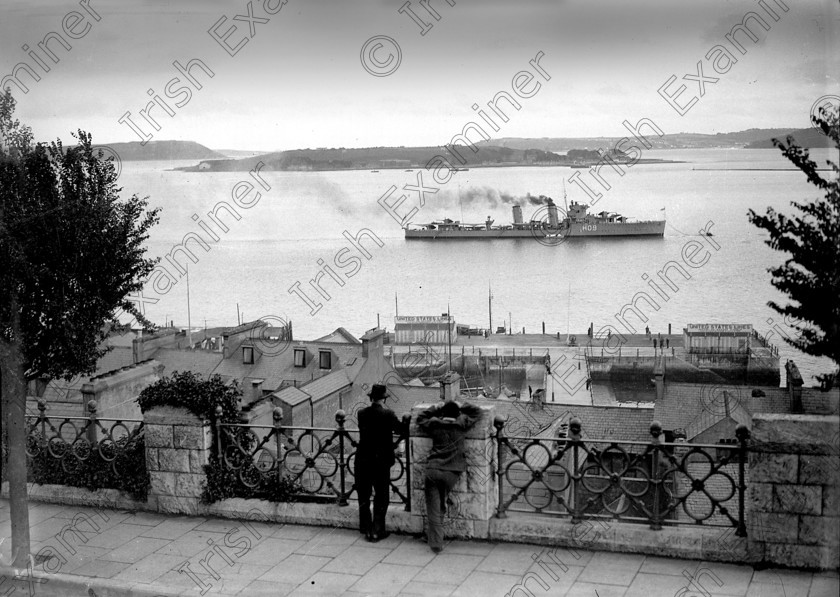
<point x="733" y="454"/>
<point x="326" y="359"/>
<point x="300" y="357"/>
<point x="248" y="355"/>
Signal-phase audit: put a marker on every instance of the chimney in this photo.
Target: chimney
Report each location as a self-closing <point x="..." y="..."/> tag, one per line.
<point x="793" y="382"/>
<point x="553" y="220"/>
<point x="256" y="389"/>
<point x="659" y="378"/>
<point x="137" y="350"/>
<point x="373" y="343"/>
<point x="450" y="386"/>
<point x="517" y="214"/>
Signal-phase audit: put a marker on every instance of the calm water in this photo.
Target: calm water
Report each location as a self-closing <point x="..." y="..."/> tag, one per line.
<point x="280" y="239"/>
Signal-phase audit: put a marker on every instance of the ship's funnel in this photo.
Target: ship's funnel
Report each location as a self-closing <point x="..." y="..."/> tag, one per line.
<point x="553" y="220"/>
<point x="517" y="214"/>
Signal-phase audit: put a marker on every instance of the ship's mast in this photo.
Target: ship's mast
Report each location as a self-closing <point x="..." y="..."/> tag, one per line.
<point x="565" y="203"/>
<point x="568" y="312"/>
<point x="449" y="332"/>
<point x="189" y="319"/>
<point x="490" y="305"/>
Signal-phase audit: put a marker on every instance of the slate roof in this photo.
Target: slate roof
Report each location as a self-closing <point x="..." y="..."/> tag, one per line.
<point x="524" y="419"/>
<point x="273" y="369"/>
<point x="292" y="396"/>
<point x="339" y="335"/>
<point x="326" y="385"/>
<point x="690" y="406"/>
<point x="197" y="361"/>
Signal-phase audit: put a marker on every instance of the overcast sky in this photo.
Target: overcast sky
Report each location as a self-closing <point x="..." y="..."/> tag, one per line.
<point x="299" y="81"/>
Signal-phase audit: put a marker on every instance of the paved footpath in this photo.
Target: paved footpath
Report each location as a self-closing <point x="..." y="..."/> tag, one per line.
<point x="139" y="554"/>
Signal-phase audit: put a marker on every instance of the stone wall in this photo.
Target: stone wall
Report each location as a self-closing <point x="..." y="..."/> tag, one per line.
<point x="794" y="491"/>
<point x="178" y="446"/>
<point x="476" y="495"/>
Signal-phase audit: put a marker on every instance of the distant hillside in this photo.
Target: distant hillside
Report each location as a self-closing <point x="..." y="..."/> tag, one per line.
<point x="163" y="150"/>
<point x="668" y="141"/>
<point x="809" y="137"/>
<point x="375" y="158"/>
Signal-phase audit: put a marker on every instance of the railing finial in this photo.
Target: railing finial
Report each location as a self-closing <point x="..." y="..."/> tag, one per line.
<point x="219" y="411"/>
<point x="575" y="427"/>
<point x="742" y="432"/>
<point x="91" y="405"/>
<point x="340" y="417"/>
<point x="277" y="416"/>
<point x="656" y="430"/>
<point x="42" y="405"/>
<point x="499" y="422"/>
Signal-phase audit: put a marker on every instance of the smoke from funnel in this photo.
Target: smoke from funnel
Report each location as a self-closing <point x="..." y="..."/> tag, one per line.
<point x="491" y="197"/>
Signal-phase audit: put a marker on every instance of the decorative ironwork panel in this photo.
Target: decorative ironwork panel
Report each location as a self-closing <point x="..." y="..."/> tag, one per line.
<point x="658" y="483"/>
<point x="315" y="463"/>
<point x="75" y="443"/>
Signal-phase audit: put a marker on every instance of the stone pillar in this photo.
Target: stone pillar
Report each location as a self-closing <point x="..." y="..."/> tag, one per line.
<point x="793" y="491"/>
<point x="178" y="446"/>
<point x="450" y="386"/>
<point x="475" y="498"/>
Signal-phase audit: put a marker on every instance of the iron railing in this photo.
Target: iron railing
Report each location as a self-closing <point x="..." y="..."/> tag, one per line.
<point x="658" y="482"/>
<point x="319" y="461"/>
<point x="74" y="441"/>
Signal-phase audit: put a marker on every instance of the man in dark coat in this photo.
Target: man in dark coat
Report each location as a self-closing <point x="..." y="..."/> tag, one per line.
<point x="374" y="459"/>
<point x="447" y="424"/>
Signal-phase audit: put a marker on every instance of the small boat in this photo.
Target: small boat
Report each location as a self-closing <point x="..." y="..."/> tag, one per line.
<point x="409" y="170"/>
<point x="374" y="170"/>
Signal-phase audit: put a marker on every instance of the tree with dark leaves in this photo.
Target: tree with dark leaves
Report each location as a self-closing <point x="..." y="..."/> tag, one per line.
<point x="810" y="276"/>
<point x="71" y="252"/>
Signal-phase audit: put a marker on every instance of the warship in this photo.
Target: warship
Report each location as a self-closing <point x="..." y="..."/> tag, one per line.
<point x="546" y="222"/>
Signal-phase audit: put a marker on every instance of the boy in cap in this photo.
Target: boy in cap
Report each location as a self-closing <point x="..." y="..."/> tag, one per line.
<point x="374" y="459"/>
<point x="447" y="424"/>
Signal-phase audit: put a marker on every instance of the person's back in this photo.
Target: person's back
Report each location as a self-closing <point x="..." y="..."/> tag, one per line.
<point x="447" y="425"/>
<point x="373" y="461"/>
<point x="376" y="428"/>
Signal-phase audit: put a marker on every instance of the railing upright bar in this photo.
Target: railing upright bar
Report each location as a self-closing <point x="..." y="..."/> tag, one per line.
<point x="42" y="407"/>
<point x="499" y="423"/>
<point x="340" y="417"/>
<point x="277" y="417"/>
<point x="218" y="426"/>
<point x="574" y="435"/>
<point x="91" y="431"/>
<point x="406" y="420"/>
<point x="742" y="432"/>
<point x="658" y="483"/>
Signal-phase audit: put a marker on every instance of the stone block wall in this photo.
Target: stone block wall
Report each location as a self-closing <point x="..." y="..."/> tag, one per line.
<point x="178" y="446"/>
<point x="475" y="497"/>
<point x="793" y="497"/>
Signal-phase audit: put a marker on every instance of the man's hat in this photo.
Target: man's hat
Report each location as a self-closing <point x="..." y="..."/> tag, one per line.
<point x="378" y="392"/>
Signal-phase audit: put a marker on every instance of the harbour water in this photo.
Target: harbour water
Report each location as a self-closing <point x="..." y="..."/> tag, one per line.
<point x="279" y="239"/>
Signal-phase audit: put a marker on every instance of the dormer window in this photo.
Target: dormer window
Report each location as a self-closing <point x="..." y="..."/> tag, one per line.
<point x="248" y="355"/>
<point x="300" y="357"/>
<point x="326" y="359"/>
